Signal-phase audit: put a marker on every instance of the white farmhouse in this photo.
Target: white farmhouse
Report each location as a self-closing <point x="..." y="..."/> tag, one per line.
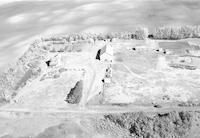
<point x="106" y="53"/>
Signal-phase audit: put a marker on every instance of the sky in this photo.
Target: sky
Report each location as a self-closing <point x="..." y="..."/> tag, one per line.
<point x="24" y="21"/>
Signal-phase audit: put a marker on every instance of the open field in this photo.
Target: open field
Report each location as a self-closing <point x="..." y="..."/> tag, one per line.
<point x="148" y="86"/>
<point x="142" y="77"/>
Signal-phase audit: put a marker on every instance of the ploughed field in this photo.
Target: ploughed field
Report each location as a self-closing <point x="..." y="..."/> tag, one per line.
<point x="61" y="86"/>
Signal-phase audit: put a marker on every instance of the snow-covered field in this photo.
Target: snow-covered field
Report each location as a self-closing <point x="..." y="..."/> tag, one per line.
<point x="23" y="21"/>
<point x="39" y="110"/>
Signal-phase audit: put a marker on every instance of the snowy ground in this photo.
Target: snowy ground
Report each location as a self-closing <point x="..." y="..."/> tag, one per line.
<point x="22" y="21"/>
<point x="147" y="74"/>
<point x="137" y="80"/>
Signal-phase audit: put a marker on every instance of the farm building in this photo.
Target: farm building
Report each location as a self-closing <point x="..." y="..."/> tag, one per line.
<point x="105" y="53"/>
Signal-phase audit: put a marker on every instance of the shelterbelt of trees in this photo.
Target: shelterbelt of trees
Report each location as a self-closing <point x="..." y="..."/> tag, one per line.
<point x="164" y="32"/>
<point x="176" y="32"/>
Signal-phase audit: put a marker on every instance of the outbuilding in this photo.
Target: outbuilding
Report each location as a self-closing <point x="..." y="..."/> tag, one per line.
<point x="105" y="53"/>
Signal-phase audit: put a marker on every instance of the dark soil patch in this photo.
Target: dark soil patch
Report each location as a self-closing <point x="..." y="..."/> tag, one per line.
<point x="161" y="125"/>
<point x="75" y="93"/>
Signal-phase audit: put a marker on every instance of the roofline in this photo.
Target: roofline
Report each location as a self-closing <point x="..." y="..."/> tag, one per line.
<point x="106" y="53"/>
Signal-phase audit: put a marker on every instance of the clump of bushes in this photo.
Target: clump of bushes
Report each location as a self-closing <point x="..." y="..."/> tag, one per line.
<point x="15" y="78"/>
<point x="75" y="94"/>
<point x="139" y="33"/>
<point x="172" y="124"/>
<point x="176" y="32"/>
<point x="17" y="74"/>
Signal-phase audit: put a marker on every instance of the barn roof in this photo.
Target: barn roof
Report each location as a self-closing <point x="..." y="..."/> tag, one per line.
<point x="106" y="49"/>
<point x="103" y="50"/>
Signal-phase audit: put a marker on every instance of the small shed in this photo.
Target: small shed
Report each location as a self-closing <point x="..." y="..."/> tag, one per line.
<point x="105" y="53"/>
